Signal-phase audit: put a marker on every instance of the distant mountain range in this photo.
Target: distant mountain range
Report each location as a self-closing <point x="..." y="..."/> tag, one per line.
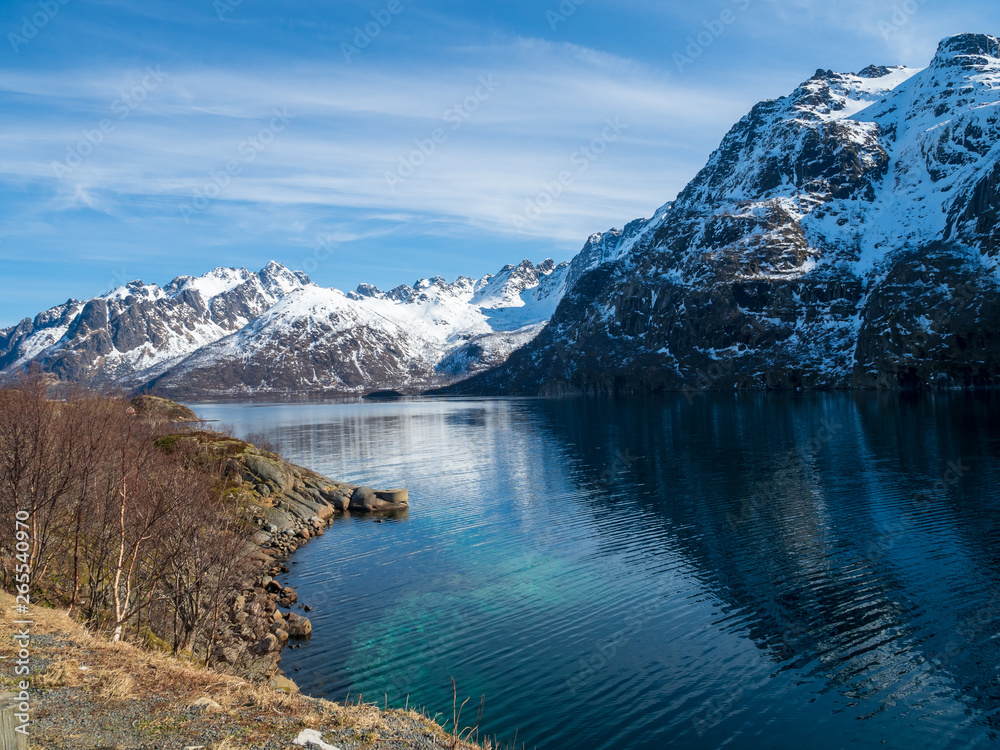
<point x="844" y="236"/>
<point x="233" y="332"/>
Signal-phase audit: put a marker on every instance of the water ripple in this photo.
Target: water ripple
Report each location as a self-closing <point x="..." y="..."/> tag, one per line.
<point x="668" y="572"/>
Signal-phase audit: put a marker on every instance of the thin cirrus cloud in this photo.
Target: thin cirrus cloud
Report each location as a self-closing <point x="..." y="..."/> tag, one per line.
<point x="505" y="138"/>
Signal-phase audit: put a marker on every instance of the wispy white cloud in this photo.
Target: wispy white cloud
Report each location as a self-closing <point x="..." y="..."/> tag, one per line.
<point x="350" y="128"/>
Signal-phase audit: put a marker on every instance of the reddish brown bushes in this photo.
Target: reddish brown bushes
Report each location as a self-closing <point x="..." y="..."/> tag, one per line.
<point x="130" y="536"/>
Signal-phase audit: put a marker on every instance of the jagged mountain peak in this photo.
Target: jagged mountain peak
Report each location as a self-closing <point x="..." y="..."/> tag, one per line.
<point x="369" y="290"/>
<point x="134" y="289"/>
<point x="57" y="313"/>
<point x="811" y="142"/>
<point x="524" y="265"/>
<point x="210" y="284"/>
<point x="502" y="287"/>
<point x="274" y="277"/>
<point x="140" y="328"/>
<point x="877" y="71"/>
<point x="966" y="49"/>
<point x="280" y="277"/>
<point x="274" y="267"/>
<point x="829" y="95"/>
<point x="506" y="288"/>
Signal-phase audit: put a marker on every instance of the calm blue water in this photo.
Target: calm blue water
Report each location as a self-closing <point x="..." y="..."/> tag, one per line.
<point x="759" y="571"/>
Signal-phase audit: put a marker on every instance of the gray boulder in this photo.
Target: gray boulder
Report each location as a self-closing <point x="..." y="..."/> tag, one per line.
<point x="363" y="499"/>
<point x="340" y="502"/>
<point x="298" y="626"/>
<point x="367" y="500"/>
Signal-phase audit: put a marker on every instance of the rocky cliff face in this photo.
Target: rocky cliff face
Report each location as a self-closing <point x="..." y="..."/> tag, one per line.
<point x="844" y="236"/>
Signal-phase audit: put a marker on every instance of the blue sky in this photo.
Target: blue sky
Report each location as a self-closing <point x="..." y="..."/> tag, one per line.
<point x="383" y="140"/>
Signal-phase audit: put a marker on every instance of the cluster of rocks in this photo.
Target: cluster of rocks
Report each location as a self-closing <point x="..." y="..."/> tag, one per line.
<point x="293" y="505"/>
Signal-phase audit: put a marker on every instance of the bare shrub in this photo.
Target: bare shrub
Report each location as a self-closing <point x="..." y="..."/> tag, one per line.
<point x="133" y="536"/>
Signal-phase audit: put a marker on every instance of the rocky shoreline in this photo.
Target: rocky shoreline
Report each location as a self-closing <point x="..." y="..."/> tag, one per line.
<point x="290" y="505"/>
<point x="221" y="688"/>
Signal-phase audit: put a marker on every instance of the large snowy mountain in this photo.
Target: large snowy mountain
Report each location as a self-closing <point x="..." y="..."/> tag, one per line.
<point x="234" y="332"/>
<point x="844" y="236"/>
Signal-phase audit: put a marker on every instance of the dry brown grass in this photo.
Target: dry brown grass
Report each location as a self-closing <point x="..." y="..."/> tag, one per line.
<point x="63" y="673"/>
<point x="115" y="686"/>
<point x="119" y="675"/>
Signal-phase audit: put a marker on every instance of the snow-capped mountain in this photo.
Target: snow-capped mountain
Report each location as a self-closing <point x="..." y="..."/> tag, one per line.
<point x="844" y="236"/>
<point x="233" y="332"/>
<point x="431" y="333"/>
<point x="140" y="329"/>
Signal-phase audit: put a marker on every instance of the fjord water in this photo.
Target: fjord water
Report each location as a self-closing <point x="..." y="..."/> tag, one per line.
<point x="741" y="571"/>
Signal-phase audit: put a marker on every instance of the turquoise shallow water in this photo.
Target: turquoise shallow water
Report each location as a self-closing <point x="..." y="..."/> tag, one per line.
<point x="753" y="571"/>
